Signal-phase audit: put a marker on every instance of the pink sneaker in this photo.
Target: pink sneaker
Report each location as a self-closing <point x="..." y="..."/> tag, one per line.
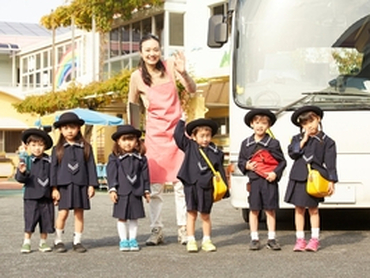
<point x="313" y="245"/>
<point x="300" y="245"/>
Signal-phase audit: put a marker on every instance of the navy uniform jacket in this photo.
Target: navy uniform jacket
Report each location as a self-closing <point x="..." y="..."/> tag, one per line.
<point x="37" y="179"/>
<point x="194" y="169"/>
<point x="73" y="168"/>
<point x="128" y="173"/>
<point x="319" y="151"/>
<point x="249" y="146"/>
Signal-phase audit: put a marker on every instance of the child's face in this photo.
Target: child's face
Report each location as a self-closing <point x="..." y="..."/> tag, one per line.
<point x="203" y="137"/>
<point x="127" y="144"/>
<point x="36" y="148"/>
<point x="69" y="132"/>
<point x="260" y="125"/>
<point x="311" y="126"/>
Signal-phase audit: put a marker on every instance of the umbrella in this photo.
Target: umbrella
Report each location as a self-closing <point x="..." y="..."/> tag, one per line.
<point x="90" y="117"/>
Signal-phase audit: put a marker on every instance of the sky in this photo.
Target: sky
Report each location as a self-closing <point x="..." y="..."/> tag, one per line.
<point x="26" y="11"/>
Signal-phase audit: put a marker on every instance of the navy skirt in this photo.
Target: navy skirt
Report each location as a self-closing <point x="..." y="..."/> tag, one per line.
<point x="297" y="195"/>
<point x="73" y="196"/>
<point x="129" y="207"/>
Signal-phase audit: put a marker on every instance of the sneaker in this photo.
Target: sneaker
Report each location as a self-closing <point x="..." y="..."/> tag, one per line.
<point x="300" y="245"/>
<point x="156" y="237"/>
<point x="273" y="245"/>
<point x="208" y="246"/>
<point x="124" y="245"/>
<point x="44" y="248"/>
<point x="181" y="236"/>
<point x="133" y="245"/>
<point x="192" y="246"/>
<point x="60" y="248"/>
<point x="254" y="245"/>
<point x="26" y="248"/>
<point x="313" y="245"/>
<point x="79" y="248"/>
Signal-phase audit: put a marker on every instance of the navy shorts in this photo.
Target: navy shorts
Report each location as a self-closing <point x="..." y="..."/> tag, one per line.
<point x="263" y="195"/>
<point x="198" y="198"/>
<point x="39" y="211"/>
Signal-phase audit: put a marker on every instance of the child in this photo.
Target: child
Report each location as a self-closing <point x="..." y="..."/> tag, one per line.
<point x="37" y="202"/>
<point x="197" y="176"/>
<point x="73" y="177"/>
<point x="264" y="192"/>
<point x="314" y="147"/>
<point x="128" y="180"/>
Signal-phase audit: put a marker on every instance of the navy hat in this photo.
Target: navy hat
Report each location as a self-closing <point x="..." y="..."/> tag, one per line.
<point x="304" y="109"/>
<point x="201" y="122"/>
<point x="125" y="129"/>
<point x="68" y="118"/>
<point x="40" y="133"/>
<point x="263" y="112"/>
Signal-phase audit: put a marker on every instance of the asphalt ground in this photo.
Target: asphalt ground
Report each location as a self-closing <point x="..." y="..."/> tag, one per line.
<point x="343" y="253"/>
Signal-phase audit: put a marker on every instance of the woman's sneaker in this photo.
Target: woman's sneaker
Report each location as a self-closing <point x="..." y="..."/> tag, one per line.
<point x="156" y="237"/>
<point x="182" y="236"/>
<point x="313" y="245"/>
<point x="300" y="245"/>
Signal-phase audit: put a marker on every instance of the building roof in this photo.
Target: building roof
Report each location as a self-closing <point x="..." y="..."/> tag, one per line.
<point x="27" y="29"/>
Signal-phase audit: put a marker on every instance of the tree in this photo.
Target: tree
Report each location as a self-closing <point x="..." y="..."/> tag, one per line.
<point x="104" y="12"/>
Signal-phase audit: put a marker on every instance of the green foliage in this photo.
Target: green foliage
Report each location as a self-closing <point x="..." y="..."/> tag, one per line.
<point x="74" y="96"/>
<point x="104" y="13"/>
<point x="348" y="61"/>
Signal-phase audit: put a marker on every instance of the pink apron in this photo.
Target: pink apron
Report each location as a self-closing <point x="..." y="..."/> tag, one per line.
<point x="163" y="113"/>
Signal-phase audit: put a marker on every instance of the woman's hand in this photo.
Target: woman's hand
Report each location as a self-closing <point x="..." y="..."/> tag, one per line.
<point x="179" y="62"/>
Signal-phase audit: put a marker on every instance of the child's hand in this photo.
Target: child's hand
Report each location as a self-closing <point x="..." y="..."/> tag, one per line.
<point x="55" y="195"/>
<point x="113" y="196"/>
<point x="331" y="188"/>
<point x="271" y="176"/>
<point x="91" y="191"/>
<point x="22" y="167"/>
<point x="147" y="197"/>
<point x="251" y="166"/>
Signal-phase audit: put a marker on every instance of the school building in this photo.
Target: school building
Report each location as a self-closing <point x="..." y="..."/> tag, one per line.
<point x="33" y="61"/>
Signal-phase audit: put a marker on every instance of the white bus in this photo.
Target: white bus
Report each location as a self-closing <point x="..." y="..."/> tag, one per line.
<point x="286" y="54"/>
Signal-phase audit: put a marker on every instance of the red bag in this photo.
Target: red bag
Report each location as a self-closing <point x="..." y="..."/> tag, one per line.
<point x="265" y="162"/>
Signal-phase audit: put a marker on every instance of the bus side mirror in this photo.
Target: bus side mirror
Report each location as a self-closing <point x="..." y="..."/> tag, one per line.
<point x="217" y="31"/>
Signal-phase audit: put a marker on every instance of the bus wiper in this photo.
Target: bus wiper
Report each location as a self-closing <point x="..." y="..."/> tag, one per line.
<point x="347" y="92"/>
<point x="290" y="105"/>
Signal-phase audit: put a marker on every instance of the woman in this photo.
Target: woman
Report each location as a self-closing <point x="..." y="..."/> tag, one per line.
<point x="154" y="82"/>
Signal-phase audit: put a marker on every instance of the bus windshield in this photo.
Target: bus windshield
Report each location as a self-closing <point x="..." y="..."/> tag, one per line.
<point x="293" y="52"/>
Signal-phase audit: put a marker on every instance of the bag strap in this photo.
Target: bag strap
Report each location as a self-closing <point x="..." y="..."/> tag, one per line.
<point x="309" y="167"/>
<point x="208" y="162"/>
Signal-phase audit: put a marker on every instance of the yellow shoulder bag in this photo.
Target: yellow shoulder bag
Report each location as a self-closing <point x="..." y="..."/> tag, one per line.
<point x="317" y="185"/>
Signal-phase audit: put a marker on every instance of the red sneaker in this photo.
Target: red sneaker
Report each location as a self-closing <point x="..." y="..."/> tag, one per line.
<point x="313" y="245"/>
<point x="300" y="245"/>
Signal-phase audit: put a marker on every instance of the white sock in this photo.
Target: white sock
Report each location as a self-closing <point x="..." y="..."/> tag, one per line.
<point x="315" y="233"/>
<point x="77" y="238"/>
<point x="27" y="241"/>
<point x="205" y="238"/>
<point x="299" y="234"/>
<point x="42" y="241"/>
<point x="271" y="235"/>
<point x="133" y="224"/>
<point x="58" y="236"/>
<point x="254" y="236"/>
<point x="191" y="238"/>
<point x="122" y="228"/>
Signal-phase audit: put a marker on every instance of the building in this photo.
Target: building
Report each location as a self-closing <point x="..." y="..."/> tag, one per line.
<point x="49" y="62"/>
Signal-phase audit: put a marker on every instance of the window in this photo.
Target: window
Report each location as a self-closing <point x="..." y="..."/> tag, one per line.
<point x="176" y="29"/>
<point x="9" y="140"/>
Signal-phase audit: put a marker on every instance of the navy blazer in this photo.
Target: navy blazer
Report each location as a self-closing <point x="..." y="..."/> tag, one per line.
<point x="128" y="173"/>
<point x="249" y="146"/>
<point x="73" y="167"/>
<point x="194" y="169"/>
<point x="319" y="151"/>
<point x="36" y="179"/>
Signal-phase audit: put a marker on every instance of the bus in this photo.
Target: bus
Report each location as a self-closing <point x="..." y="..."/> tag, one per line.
<point x="291" y="53"/>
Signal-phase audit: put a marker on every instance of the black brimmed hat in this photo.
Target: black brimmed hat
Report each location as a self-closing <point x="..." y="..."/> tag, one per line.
<point x="68" y="118"/>
<point x="201" y="122"/>
<point x="262" y="112"/>
<point x="304" y="109"/>
<point x="40" y="133"/>
<point x="125" y="129"/>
